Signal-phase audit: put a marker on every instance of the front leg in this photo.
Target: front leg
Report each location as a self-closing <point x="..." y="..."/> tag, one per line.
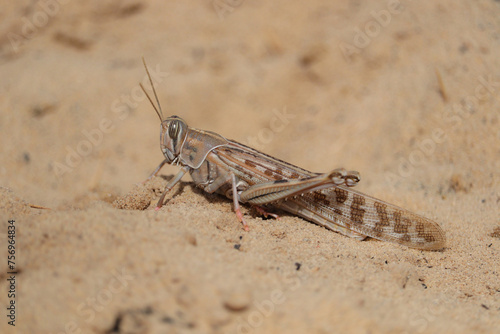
<point x="171" y="184"/>
<point x="155" y="172"/>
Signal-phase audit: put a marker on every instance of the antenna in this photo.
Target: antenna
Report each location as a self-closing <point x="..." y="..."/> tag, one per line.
<point x="159" y="113"/>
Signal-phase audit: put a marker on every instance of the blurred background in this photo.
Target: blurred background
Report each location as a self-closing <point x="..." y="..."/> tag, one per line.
<point x="321" y="84"/>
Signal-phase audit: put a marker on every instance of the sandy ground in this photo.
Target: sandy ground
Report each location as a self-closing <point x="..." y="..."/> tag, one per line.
<point x="409" y="96"/>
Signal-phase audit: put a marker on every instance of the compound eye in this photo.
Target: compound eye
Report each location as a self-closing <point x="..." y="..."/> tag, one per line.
<point x="173" y="129"/>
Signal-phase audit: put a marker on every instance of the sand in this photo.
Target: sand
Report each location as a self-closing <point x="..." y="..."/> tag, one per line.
<point x="407" y="95"/>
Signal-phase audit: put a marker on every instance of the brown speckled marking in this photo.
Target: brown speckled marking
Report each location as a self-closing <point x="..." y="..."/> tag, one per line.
<point x="406" y="238"/>
<point x="338" y="211"/>
<point x="250" y="163"/>
<point x="321" y="198"/>
<point x="357" y="212"/>
<point x="401" y="226"/>
<point x="295" y="176"/>
<point x="420" y="229"/>
<point x="382" y="214"/>
<point x="340" y="195"/>
<point x="429" y="238"/>
<point x="268" y="172"/>
<point x="421" y="232"/>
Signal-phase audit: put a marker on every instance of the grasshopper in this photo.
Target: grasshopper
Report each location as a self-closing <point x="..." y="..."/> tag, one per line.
<point x="245" y="175"/>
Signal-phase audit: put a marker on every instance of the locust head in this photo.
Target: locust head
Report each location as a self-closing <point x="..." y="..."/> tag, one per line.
<point x="179" y="143"/>
<point x="172" y="136"/>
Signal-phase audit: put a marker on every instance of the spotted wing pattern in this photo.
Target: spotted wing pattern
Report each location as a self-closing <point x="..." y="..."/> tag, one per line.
<point x="355" y="214"/>
<point x="338" y="208"/>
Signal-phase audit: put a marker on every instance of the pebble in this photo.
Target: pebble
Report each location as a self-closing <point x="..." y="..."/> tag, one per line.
<point x="237" y="301"/>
